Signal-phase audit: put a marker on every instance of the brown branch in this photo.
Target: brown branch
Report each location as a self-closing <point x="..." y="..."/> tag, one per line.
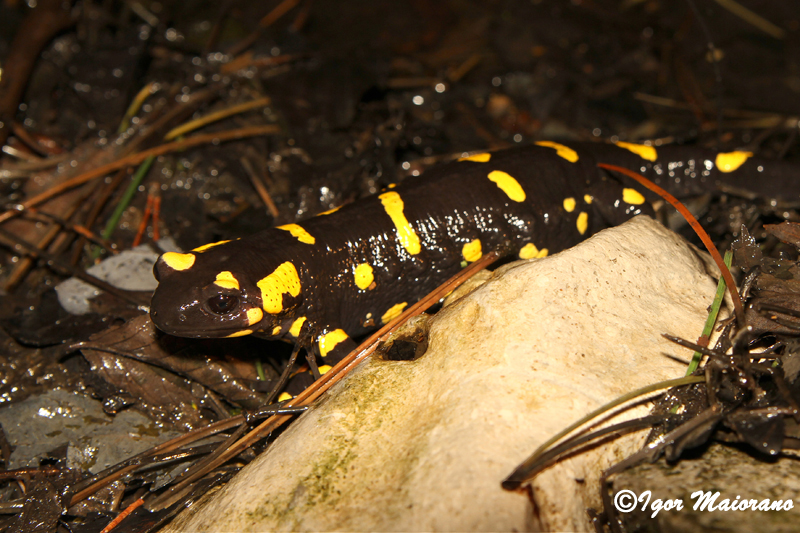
<point x="135" y="159"/>
<point x="37" y="29"/>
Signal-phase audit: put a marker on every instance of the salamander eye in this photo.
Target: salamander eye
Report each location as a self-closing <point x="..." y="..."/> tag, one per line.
<point x="223" y="304"/>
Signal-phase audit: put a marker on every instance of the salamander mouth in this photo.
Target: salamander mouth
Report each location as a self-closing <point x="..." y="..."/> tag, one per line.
<point x="192" y="329"/>
<point x="221" y="334"/>
<point x="211" y="332"/>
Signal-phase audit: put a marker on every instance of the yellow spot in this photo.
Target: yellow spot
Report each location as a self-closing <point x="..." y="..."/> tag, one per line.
<point x="508" y="185"/>
<point x="285" y="396"/>
<point x="393" y="312"/>
<point x="294" y="331"/>
<point x="254" y="316"/>
<point x="587" y="198"/>
<point x="391" y="186"/>
<point x="210" y="245"/>
<point x="472" y="251"/>
<point x="331" y="340"/>
<point x="276" y="331"/>
<point x="239" y="333"/>
<point x="477" y="158"/>
<point x="569" y="205"/>
<point x="323" y="369"/>
<point x="299" y="233"/>
<point x="645" y="152"/>
<point x="731" y="161"/>
<point x="583" y="223"/>
<point x="178" y="261"/>
<point x="283" y="279"/>
<point x="363" y="276"/>
<point x="329" y="211"/>
<point x="393" y="205"/>
<point x="632" y="196"/>
<point x="562" y="151"/>
<point x="529" y="251"/>
<point x="226" y="280"/>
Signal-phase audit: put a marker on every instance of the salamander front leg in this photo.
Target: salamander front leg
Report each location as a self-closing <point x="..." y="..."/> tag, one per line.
<point x="331" y="347"/>
<point x="295" y="386"/>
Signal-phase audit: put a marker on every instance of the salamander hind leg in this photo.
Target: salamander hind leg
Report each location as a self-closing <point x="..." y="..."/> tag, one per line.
<point x="614" y="203"/>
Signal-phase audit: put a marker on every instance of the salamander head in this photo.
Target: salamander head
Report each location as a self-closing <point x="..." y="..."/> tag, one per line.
<point x="200" y="296"/>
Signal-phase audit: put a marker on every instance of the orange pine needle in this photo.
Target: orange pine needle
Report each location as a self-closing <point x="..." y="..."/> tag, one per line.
<point x="156" y="217"/>
<point x="121" y="516"/>
<point x="726" y="274"/>
<point x="148" y="208"/>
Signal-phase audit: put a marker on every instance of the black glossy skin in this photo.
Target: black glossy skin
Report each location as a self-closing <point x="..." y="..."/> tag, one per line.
<point x="448" y="206"/>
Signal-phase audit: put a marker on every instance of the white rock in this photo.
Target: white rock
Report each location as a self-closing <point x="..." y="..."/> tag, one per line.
<point x="130" y="270"/>
<point x="424" y="445"/>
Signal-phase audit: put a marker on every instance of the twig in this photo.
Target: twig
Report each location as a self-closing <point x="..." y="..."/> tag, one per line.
<point x="15" y="243"/>
<point x="146" y="91"/>
<point x="522" y="472"/>
<point x="258" y="183"/>
<point x="37" y="28"/>
<point x="752" y="18"/>
<point x="216" y="116"/>
<point x="135" y="159"/>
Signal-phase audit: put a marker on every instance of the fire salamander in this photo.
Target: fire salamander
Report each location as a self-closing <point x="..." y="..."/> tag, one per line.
<point x="351" y="269"/>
